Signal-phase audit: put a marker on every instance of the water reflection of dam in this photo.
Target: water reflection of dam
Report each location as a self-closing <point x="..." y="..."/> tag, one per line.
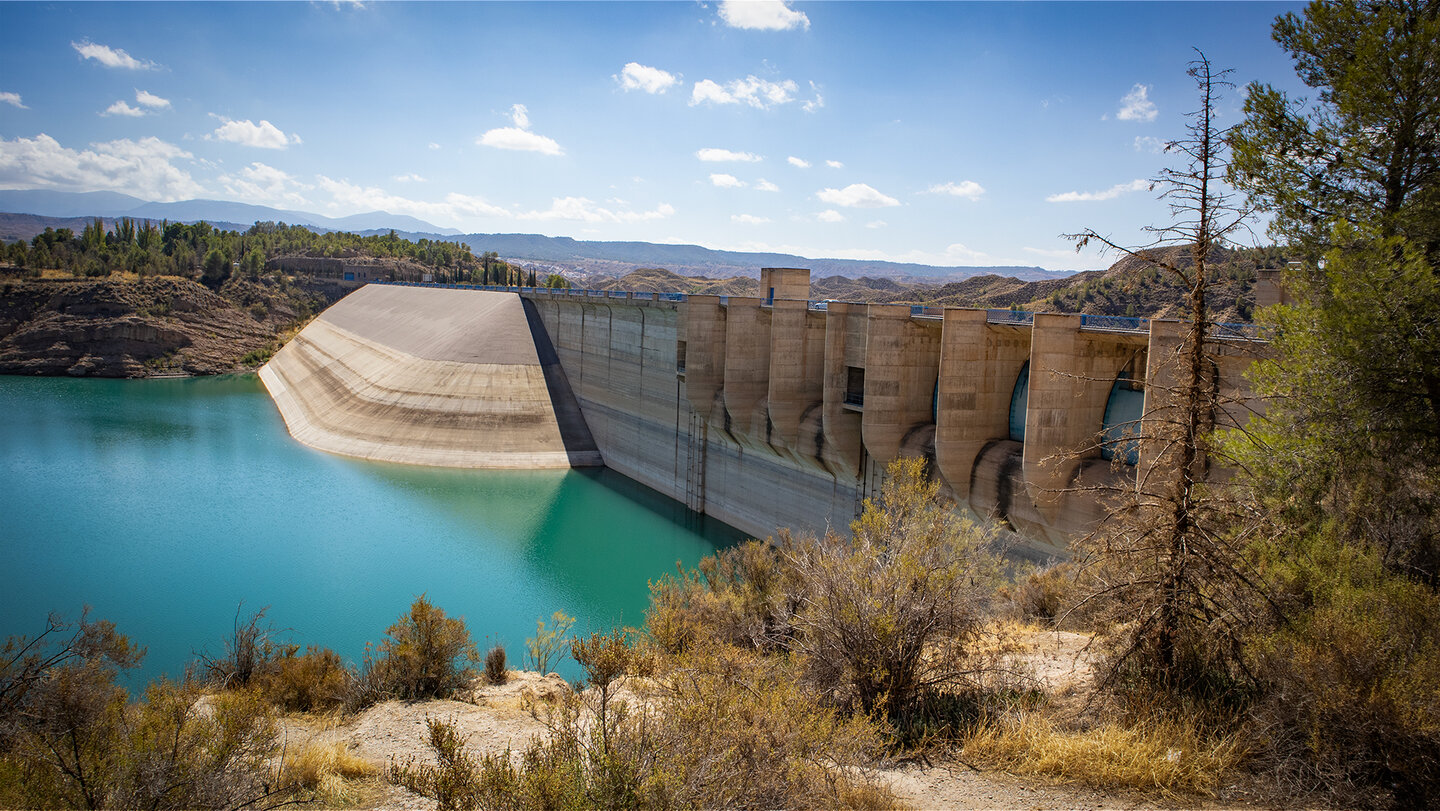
<point x="783" y="411"/>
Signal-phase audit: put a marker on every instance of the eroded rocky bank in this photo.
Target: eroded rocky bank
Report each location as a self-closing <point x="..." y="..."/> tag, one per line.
<point x="147" y="327"/>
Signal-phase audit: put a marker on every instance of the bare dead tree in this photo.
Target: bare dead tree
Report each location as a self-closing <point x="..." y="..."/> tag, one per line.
<point x="1167" y="563"/>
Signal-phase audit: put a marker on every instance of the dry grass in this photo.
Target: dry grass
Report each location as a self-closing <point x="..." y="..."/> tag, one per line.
<point x="326" y="768"/>
<point x="1172" y="756"/>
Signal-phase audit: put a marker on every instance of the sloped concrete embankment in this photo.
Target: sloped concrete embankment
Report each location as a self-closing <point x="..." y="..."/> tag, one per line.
<point x="430" y="377"/>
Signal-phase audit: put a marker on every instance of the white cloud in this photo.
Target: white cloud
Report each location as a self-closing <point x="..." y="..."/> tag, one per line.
<point x="830" y="215"/>
<point x="762" y="15"/>
<point x="145" y="99"/>
<point x="814" y="104"/>
<point x="636" y="76"/>
<point x="1108" y="194"/>
<point x="799" y="163"/>
<point x="727" y="181"/>
<point x="1051" y="253"/>
<point x="968" y="189"/>
<point x="350" y="197"/>
<point x="584" y="210"/>
<point x="110" y="57"/>
<point x="957" y="252"/>
<point x="876" y="224"/>
<point x="764" y="185"/>
<point x="261" y="136"/>
<point x="521" y="140"/>
<point x="433" y="145"/>
<point x="759" y="93"/>
<point x="835" y="164"/>
<point x="1136" y="105"/>
<point x="409" y="178"/>
<point x="12" y="99"/>
<point x="141" y="168"/>
<point x="121" y="108"/>
<point x="519" y="137"/>
<point x="148" y="99"/>
<point x="1149" y="143"/>
<point x="260" y="183"/>
<point x="857" y="195"/>
<point x="748" y="219"/>
<point x="714" y="155"/>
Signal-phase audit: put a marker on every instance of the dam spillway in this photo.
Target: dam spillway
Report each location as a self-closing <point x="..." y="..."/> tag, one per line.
<point x="425" y="376"/>
<point x="783" y="412"/>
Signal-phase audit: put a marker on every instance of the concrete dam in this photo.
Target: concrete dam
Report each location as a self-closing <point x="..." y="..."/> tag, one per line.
<point x="764" y="413"/>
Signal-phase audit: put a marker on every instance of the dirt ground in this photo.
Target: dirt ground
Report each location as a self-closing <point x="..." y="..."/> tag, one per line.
<point x="494" y="718"/>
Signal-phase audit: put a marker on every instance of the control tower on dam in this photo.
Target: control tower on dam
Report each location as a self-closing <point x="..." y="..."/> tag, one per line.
<point x="780" y="411"/>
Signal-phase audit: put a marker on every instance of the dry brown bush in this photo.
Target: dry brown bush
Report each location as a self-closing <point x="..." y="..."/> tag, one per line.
<point x="73" y="738"/>
<point x="723" y="728"/>
<point x="315" y="681"/>
<point x="1161" y="752"/>
<point x="1047" y="595"/>
<point x="495" y="666"/>
<point x="878" y="619"/>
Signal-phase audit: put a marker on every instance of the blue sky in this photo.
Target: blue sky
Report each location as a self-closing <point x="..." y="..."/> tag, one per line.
<point x="941" y="133"/>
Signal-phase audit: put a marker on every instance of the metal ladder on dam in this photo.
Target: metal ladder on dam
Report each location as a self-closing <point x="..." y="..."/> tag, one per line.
<point x="867" y="482"/>
<point x="697" y="438"/>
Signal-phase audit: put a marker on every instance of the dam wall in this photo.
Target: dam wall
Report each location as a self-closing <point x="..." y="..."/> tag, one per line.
<point x="621" y="356"/>
<point x="777" y="412"/>
<point x="761" y="412"/>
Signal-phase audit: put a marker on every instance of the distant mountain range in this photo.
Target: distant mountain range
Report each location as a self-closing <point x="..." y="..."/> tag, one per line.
<point x="110" y="204"/>
<point x="607" y="258"/>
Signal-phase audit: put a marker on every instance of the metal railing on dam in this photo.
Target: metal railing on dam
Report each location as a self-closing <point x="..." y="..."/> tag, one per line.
<point x="1011" y="317"/>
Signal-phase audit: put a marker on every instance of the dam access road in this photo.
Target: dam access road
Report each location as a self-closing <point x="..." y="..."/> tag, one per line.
<point x="762" y="413"/>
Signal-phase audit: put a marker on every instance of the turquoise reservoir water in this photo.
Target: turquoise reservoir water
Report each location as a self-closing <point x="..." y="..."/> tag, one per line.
<point x="163" y="504"/>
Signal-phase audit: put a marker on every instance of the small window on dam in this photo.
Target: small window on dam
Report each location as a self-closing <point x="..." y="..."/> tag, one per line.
<point x="680" y="357"/>
<point x="854" y="386"/>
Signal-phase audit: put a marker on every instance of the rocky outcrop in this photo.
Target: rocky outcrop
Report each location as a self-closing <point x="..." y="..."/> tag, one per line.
<point x="116" y="328"/>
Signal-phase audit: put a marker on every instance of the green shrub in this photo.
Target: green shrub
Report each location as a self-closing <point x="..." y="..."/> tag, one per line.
<point x="548" y="643"/>
<point x="454" y="782"/>
<point x="744" y="595"/>
<point x="1354" y="676"/>
<point x="424" y="655"/>
<point x="894" y="612"/>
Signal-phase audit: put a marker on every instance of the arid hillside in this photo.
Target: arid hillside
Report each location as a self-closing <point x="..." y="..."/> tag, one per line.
<point x="161" y="325"/>
<point x="1130" y="287"/>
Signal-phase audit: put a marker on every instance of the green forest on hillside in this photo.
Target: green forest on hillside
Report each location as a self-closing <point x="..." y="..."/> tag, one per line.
<point x="198" y="250"/>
